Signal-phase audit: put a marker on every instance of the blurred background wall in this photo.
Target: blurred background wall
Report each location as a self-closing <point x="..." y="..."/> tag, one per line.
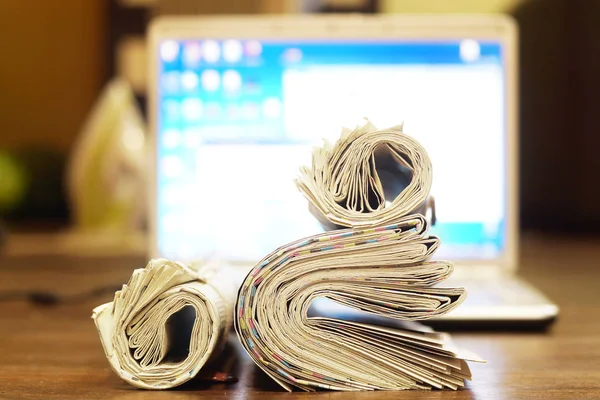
<point x="560" y="100"/>
<point x="53" y="65"/>
<point x="57" y="54"/>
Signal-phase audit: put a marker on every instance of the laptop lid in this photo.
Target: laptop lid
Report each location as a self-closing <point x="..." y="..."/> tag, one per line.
<point x="237" y="103"/>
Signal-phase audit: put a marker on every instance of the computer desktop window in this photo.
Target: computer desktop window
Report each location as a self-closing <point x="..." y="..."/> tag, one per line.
<point x="237" y="118"/>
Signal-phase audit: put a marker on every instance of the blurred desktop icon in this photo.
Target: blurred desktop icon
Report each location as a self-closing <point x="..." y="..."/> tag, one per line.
<point x="189" y="81"/>
<point x="191" y="109"/>
<point x="292" y="55"/>
<point x="171" y="139"/>
<point x="169" y="50"/>
<point x="211" y="51"/>
<point x="451" y="79"/>
<point x="232" y="81"/>
<point x="252" y="48"/>
<point x="469" y="50"/>
<point x="171" y="110"/>
<point x="232" y="51"/>
<point x="192" y="53"/>
<point x="171" y="82"/>
<point x="211" y="80"/>
<point x="106" y="171"/>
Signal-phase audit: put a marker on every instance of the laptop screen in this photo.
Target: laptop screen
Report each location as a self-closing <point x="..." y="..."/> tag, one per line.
<point x="237" y="118"/>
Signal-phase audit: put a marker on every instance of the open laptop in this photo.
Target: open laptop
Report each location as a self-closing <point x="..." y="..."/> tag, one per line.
<point x="237" y="103"/>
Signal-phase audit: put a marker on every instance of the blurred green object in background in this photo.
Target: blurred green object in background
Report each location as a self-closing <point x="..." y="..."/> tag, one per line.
<point x="14" y="181"/>
<point x="31" y="186"/>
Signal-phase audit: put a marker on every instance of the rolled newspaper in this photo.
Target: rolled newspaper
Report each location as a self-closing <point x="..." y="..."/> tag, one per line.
<point x="166" y="323"/>
<point x="381" y="270"/>
<point x="368" y="177"/>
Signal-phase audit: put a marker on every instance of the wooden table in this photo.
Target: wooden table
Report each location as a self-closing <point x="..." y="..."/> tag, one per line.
<point x="54" y="352"/>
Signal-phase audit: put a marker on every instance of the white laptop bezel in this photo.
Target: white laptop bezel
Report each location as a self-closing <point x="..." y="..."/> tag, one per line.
<point x="496" y="27"/>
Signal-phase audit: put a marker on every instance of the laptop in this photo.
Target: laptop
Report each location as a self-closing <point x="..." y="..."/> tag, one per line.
<point x="236" y="105"/>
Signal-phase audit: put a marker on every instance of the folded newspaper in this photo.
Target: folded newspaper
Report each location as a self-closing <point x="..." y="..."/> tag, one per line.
<point x="368" y="177"/>
<point x="167" y="322"/>
<point x="380" y="266"/>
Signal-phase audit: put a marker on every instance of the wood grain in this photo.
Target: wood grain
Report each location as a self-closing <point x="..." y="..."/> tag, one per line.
<point x="54" y="352"/>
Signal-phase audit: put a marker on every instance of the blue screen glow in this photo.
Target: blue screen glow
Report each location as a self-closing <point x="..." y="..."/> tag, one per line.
<point x="237" y="118"/>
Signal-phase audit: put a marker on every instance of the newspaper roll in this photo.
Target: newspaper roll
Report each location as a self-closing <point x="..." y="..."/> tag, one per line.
<point x="368" y="177"/>
<point x="381" y="270"/>
<point x="166" y="323"/>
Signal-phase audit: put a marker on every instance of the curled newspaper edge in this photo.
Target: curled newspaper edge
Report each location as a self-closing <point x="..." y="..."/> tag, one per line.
<point x="380" y="266"/>
<point x="368" y="177"/>
<point x="166" y="323"/>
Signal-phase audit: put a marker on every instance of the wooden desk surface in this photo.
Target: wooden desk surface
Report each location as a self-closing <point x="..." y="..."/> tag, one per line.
<point x="55" y="353"/>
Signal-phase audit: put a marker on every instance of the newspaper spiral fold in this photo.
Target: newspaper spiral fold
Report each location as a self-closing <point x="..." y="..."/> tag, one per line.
<point x="351" y="183"/>
<point x="381" y="270"/>
<point x="379" y="266"/>
<point x="166" y="323"/>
